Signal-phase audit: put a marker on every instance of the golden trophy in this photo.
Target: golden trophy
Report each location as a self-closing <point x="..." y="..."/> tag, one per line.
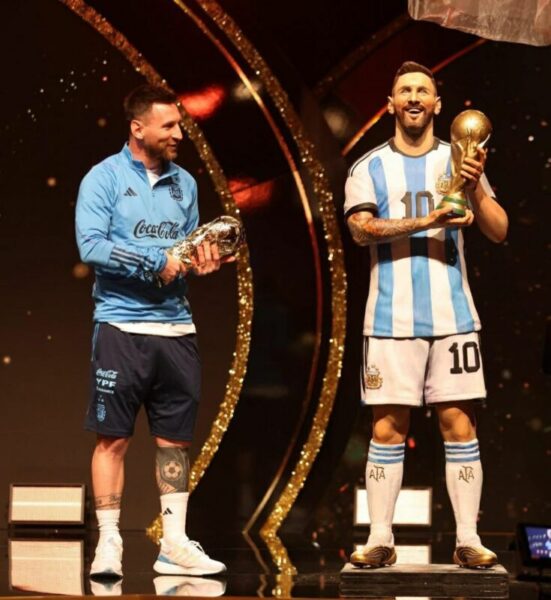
<point x="470" y="131"/>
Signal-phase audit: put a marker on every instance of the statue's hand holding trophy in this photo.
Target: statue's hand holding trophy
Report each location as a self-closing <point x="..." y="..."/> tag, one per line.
<point x="470" y="131"/>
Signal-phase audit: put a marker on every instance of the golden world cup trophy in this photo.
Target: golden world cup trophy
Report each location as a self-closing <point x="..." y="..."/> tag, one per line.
<point x="470" y="131"/>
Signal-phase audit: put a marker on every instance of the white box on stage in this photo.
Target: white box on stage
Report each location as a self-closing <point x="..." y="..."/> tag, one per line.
<point x="413" y="507"/>
<point x="47" y="504"/>
<point x="48" y="567"/>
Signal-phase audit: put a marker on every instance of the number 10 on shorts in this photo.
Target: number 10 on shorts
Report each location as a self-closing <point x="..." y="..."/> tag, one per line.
<point x="466" y="357"/>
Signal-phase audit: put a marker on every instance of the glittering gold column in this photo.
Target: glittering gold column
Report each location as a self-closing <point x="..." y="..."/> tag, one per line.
<point x="326" y="209"/>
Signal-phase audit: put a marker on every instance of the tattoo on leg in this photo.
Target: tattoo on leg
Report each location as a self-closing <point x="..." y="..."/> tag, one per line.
<point x="109" y="502"/>
<point x="172" y="470"/>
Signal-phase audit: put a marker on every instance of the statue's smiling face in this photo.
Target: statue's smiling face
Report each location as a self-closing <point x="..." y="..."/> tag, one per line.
<point x="414" y="103"/>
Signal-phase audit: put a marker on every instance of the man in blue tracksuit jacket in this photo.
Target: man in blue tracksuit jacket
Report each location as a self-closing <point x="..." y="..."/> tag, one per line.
<point x="132" y="207"/>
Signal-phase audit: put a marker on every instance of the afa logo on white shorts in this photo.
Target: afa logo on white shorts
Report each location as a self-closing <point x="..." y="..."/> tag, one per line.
<point x="373" y="379"/>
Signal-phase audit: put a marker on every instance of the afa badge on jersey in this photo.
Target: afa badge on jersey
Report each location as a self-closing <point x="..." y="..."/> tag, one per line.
<point x="373" y="379"/>
<point x="175" y="192"/>
<point x="175" y="189"/>
<point x="443" y="184"/>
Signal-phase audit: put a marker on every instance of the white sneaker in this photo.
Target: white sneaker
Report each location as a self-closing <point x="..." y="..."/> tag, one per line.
<point x="186" y="557"/>
<point x="169" y="585"/>
<point x="108" y="559"/>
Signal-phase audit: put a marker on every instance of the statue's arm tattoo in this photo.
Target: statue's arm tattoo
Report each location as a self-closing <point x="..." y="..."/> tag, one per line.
<point x="366" y="229"/>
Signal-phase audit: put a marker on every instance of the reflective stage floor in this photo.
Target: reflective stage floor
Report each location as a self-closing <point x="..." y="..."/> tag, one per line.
<point x="39" y="566"/>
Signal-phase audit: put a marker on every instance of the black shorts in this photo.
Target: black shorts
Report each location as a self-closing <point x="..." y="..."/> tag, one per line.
<point x="129" y="369"/>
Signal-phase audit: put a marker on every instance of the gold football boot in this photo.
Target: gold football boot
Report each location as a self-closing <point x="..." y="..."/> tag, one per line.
<point x="474" y="557"/>
<point x="373" y="556"/>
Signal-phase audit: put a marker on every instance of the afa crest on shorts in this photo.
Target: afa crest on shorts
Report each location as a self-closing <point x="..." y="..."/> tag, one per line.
<point x="101" y="412"/>
<point x="373" y="379"/>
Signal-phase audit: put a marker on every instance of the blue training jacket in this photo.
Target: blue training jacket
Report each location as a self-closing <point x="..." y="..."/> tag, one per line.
<point x="123" y="227"/>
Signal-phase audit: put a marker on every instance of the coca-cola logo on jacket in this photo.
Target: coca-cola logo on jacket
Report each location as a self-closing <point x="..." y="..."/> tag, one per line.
<point x="166" y="230"/>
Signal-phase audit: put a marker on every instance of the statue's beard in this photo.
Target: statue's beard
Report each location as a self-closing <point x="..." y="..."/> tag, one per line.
<point x="416" y="130"/>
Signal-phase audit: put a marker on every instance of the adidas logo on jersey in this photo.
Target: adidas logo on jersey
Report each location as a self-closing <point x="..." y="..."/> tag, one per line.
<point x="130" y="192"/>
<point x="167" y="511"/>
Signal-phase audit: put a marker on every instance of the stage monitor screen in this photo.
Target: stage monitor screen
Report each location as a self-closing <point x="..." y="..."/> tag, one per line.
<point x="535" y="544"/>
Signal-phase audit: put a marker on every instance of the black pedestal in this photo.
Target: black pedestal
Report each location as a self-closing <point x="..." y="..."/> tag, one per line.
<point x="424" y="580"/>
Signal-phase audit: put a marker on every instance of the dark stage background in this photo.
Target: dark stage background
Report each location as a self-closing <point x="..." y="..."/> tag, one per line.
<point x="60" y="114"/>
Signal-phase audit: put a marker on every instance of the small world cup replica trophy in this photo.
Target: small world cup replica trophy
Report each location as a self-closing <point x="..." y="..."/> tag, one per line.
<point x="225" y="231"/>
<point x="470" y="131"/>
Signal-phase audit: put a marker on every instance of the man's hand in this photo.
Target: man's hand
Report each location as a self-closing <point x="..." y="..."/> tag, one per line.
<point x="472" y="169"/>
<point x="441" y="217"/>
<point x="208" y="259"/>
<point x="171" y="270"/>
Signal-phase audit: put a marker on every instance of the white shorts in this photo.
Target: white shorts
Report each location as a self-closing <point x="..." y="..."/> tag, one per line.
<point x="404" y="371"/>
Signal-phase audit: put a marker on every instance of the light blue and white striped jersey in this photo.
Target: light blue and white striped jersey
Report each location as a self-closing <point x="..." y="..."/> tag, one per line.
<point x="123" y="227"/>
<point x="418" y="285"/>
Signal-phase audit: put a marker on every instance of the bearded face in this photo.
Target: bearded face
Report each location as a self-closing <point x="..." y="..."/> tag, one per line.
<point x="160" y="132"/>
<point x="414" y="103"/>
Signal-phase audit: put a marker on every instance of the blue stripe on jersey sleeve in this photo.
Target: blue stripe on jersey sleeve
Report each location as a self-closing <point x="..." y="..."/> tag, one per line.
<point x="382" y="322"/>
<point x="415" y="169"/>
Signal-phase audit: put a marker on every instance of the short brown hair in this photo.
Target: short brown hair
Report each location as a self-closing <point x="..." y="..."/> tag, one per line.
<point x="142" y="98"/>
<point x="412" y="67"/>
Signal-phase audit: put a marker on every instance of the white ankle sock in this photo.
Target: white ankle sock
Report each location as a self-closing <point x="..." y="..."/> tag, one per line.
<point x="383" y="480"/>
<point x="108" y="522"/>
<point x="464" y="482"/>
<point x="173" y="511"/>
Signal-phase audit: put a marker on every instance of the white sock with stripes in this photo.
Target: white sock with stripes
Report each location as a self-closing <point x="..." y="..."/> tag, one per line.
<point x="383" y="480"/>
<point x="464" y="482"/>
